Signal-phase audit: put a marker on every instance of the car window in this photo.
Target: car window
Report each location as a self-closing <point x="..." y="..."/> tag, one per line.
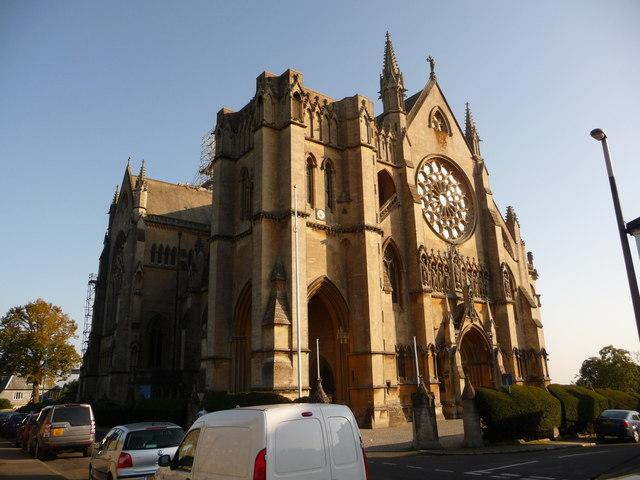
<point x="636" y="416"/>
<point x="291" y="454"/>
<point x="343" y="442"/>
<point x="110" y="440"/>
<point x="75" y="416"/>
<point x="44" y="414"/>
<point x="614" y="414"/>
<point x="153" y="438"/>
<point x="187" y="451"/>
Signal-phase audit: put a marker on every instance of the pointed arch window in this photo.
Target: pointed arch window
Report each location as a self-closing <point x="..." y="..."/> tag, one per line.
<point x="329" y="173"/>
<point x="167" y="253"/>
<point x="173" y="256"/>
<point x="311" y="166"/>
<point x="247" y="194"/>
<point x="296" y="107"/>
<point x="391" y="265"/>
<point x="153" y="253"/>
<point x="438" y="121"/>
<point x="155" y="345"/>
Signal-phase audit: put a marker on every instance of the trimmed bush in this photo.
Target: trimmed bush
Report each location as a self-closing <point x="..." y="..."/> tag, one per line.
<point x="619" y="399"/>
<point x="526" y="412"/>
<point x="590" y="405"/>
<point x="215" y="401"/>
<point x="5" y="404"/>
<point x="569" y="407"/>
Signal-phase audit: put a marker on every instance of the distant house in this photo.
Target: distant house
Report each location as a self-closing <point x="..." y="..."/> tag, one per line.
<point x="17" y="390"/>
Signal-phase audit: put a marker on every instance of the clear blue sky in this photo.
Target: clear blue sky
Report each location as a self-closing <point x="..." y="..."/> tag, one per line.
<point x="84" y="85"/>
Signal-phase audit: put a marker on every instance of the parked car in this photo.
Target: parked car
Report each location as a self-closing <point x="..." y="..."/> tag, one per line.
<point x="31" y="439"/>
<point x="69" y="427"/>
<point x="10" y="427"/>
<point x="275" y="442"/>
<point x="22" y="435"/>
<point x="132" y="451"/>
<point x="623" y="424"/>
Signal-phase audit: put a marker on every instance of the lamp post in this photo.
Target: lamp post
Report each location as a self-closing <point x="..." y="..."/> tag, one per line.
<point x="599" y="135"/>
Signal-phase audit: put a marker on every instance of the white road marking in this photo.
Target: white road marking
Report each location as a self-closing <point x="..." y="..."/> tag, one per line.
<point x="579" y="454"/>
<point x="537" y="477"/>
<point x="417" y="468"/>
<point x="489" y="470"/>
<point x="388" y="463"/>
<point x="510" y="475"/>
<point x="442" y="470"/>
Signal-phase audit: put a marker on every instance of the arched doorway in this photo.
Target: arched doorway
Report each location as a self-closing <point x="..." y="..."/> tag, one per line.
<point x="476" y="358"/>
<point x="327" y="316"/>
<point x="241" y="343"/>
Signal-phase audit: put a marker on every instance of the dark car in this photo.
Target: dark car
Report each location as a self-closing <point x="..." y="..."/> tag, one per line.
<point x="22" y="435"/>
<point x="623" y="424"/>
<point x="11" y="426"/>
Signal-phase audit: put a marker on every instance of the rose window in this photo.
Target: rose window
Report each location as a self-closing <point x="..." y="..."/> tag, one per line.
<point x="446" y="200"/>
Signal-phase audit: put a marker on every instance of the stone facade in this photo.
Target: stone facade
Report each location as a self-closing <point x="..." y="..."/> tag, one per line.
<point x="398" y="236"/>
<point x="150" y="293"/>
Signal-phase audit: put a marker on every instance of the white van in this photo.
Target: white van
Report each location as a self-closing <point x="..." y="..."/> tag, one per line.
<point x="299" y="441"/>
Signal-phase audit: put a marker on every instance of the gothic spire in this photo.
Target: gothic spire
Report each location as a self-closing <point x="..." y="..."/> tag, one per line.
<point x="471" y="132"/>
<point x="391" y="82"/>
<point x="142" y="176"/>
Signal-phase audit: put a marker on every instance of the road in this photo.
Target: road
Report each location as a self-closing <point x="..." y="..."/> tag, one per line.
<point x="602" y="461"/>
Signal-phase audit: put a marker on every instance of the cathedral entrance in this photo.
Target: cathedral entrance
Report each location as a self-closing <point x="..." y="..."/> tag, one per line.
<point x="327" y="315"/>
<point x="476" y="359"/>
<point x="241" y="343"/>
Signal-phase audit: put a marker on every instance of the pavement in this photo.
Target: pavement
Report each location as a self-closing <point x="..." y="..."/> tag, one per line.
<point x="451" y="432"/>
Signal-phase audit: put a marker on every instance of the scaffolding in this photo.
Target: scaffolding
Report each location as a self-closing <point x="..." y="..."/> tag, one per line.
<point x="202" y="177"/>
<point x="88" y="311"/>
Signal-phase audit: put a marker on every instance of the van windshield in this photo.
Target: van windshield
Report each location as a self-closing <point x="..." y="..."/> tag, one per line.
<point x="76" y="416"/>
<point x="156" y="438"/>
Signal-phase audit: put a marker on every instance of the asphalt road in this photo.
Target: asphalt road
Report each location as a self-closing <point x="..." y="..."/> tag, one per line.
<point x="602" y="461"/>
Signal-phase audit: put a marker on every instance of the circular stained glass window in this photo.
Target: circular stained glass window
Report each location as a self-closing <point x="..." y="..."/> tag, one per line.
<point x="446" y="199"/>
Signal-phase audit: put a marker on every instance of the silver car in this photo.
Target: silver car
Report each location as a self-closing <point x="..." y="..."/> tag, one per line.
<point x="132" y="451"/>
<point x="63" y="428"/>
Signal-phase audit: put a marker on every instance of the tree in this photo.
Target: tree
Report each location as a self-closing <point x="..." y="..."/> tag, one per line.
<point x="69" y="391"/>
<point x="34" y="343"/>
<point x="614" y="369"/>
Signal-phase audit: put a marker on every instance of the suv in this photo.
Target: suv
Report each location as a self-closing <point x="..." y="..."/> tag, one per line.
<point x="69" y="427"/>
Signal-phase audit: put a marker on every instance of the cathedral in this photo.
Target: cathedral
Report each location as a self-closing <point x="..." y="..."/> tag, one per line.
<point x="373" y="233"/>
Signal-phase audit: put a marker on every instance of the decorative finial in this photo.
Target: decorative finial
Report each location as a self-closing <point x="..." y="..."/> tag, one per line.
<point x="116" y="195"/>
<point x="143" y="171"/>
<point x="129" y="161"/>
<point x="432" y="65"/>
<point x="471" y="132"/>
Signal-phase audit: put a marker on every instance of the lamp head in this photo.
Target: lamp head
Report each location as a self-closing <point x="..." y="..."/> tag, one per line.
<point x="598" y="134"/>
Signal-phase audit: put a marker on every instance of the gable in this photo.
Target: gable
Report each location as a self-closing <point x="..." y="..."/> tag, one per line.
<point x="434" y="129"/>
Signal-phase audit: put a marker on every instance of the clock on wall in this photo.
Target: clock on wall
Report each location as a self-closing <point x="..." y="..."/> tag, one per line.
<point x="446" y="198"/>
<point x="320" y="214"/>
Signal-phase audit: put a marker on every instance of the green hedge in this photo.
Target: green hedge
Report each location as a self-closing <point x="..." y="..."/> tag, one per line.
<point x="619" y="399"/>
<point x="569" y="405"/>
<point x="590" y="405"/>
<point x="526" y="412"/>
<point x="5" y="404"/>
<point x="214" y="401"/>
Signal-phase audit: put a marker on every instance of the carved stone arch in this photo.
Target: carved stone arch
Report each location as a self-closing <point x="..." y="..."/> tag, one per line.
<point x="335" y="301"/>
<point x="329" y="170"/>
<point x="477" y="356"/>
<point x="386" y="187"/>
<point x="439" y="121"/>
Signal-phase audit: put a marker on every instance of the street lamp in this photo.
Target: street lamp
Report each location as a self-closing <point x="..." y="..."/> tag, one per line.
<point x="599" y="135"/>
